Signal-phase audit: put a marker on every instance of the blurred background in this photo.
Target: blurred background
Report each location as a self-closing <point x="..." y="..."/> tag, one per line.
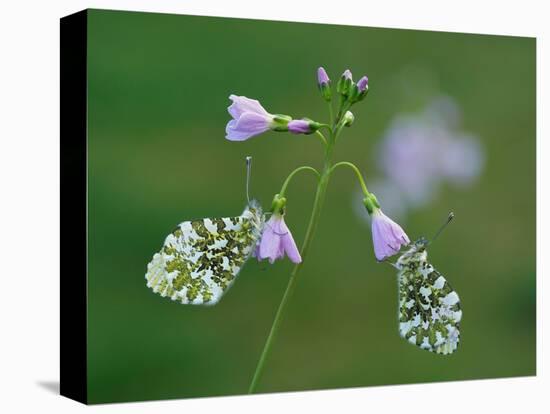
<point x="158" y="94"/>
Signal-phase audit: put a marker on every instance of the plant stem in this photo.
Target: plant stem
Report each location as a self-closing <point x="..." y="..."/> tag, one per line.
<point x="291" y="175"/>
<point x="313" y="221"/>
<point x="321" y="137"/>
<point x="357" y="172"/>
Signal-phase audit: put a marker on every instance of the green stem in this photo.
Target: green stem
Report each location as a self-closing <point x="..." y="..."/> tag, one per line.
<point x="321" y="137"/>
<point x="313" y="221"/>
<point x="357" y="172"/>
<point x="297" y="170"/>
<point x="331" y="113"/>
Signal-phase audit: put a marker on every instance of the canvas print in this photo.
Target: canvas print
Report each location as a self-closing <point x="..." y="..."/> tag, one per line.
<point x="280" y="206"/>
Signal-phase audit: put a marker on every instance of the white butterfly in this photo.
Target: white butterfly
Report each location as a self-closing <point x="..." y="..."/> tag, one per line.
<point x="200" y="259"/>
<point x="429" y="308"/>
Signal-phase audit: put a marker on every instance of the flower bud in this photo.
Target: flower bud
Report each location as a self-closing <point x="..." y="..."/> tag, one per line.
<point x="363" y="88"/>
<point x="344" y="84"/>
<point x="303" y="126"/>
<point x="322" y="77"/>
<point x="363" y="84"/>
<point x="348" y="119"/>
<point x="323" y="82"/>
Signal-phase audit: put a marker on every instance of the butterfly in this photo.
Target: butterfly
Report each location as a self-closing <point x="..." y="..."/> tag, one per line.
<point x="429" y="308"/>
<point x="200" y="259"/>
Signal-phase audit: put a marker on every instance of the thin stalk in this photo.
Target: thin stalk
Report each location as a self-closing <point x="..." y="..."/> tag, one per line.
<point x="357" y="172"/>
<point x="291" y="175"/>
<point x="321" y="137"/>
<point x="331" y="113"/>
<point x="312" y="226"/>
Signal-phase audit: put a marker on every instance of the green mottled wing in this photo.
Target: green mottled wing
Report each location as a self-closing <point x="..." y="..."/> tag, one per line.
<point x="201" y="259"/>
<point x="429" y="308"/>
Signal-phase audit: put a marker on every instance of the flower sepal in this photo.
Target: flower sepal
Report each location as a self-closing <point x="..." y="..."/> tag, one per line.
<point x="371" y="203"/>
<point x="278" y="204"/>
<point x="280" y="122"/>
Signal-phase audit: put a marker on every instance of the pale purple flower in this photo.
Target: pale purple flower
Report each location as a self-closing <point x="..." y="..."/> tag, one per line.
<point x="387" y="236"/>
<point x="299" y="126"/>
<point x="249" y="119"/>
<point x="363" y="83"/>
<point x="322" y="77"/>
<point x="347" y="74"/>
<point x="276" y="241"/>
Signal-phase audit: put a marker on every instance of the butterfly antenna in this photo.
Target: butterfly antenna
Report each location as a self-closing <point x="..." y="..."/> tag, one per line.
<point x="450" y="217"/>
<point x="248" y="168"/>
<point x="391" y="264"/>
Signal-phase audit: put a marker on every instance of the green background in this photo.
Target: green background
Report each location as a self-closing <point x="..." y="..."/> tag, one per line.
<point x="158" y="97"/>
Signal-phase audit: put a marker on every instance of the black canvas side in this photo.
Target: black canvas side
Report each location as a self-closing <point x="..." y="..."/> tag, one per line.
<point x="73" y="110"/>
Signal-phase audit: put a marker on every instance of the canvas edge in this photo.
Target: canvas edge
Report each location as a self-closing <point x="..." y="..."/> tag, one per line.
<point x="73" y="206"/>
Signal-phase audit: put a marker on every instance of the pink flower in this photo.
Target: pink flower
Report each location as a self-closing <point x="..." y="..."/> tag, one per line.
<point x="249" y="119"/>
<point x="276" y="241"/>
<point x="387" y="236"/>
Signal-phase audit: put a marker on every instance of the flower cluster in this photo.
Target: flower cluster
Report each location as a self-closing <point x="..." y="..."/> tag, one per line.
<point x="250" y="119"/>
<point x="352" y="92"/>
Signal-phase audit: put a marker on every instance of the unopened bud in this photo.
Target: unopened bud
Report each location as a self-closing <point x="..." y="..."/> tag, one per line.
<point x="348" y="119"/>
<point x="303" y="126"/>
<point x="323" y="82"/>
<point x="344" y="84"/>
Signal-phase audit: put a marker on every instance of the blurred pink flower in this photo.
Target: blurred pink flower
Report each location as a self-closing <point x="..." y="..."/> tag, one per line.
<point x="421" y="152"/>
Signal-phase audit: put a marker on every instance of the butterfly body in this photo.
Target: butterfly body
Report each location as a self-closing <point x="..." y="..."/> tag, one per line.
<point x="200" y="259"/>
<point x="429" y="309"/>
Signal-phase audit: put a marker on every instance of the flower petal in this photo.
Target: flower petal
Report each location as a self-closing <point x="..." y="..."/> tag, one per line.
<point x="247" y="126"/>
<point x="387" y="236"/>
<point x="289" y="245"/>
<point x="242" y="104"/>
<point x="270" y="244"/>
<point x="269" y="247"/>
